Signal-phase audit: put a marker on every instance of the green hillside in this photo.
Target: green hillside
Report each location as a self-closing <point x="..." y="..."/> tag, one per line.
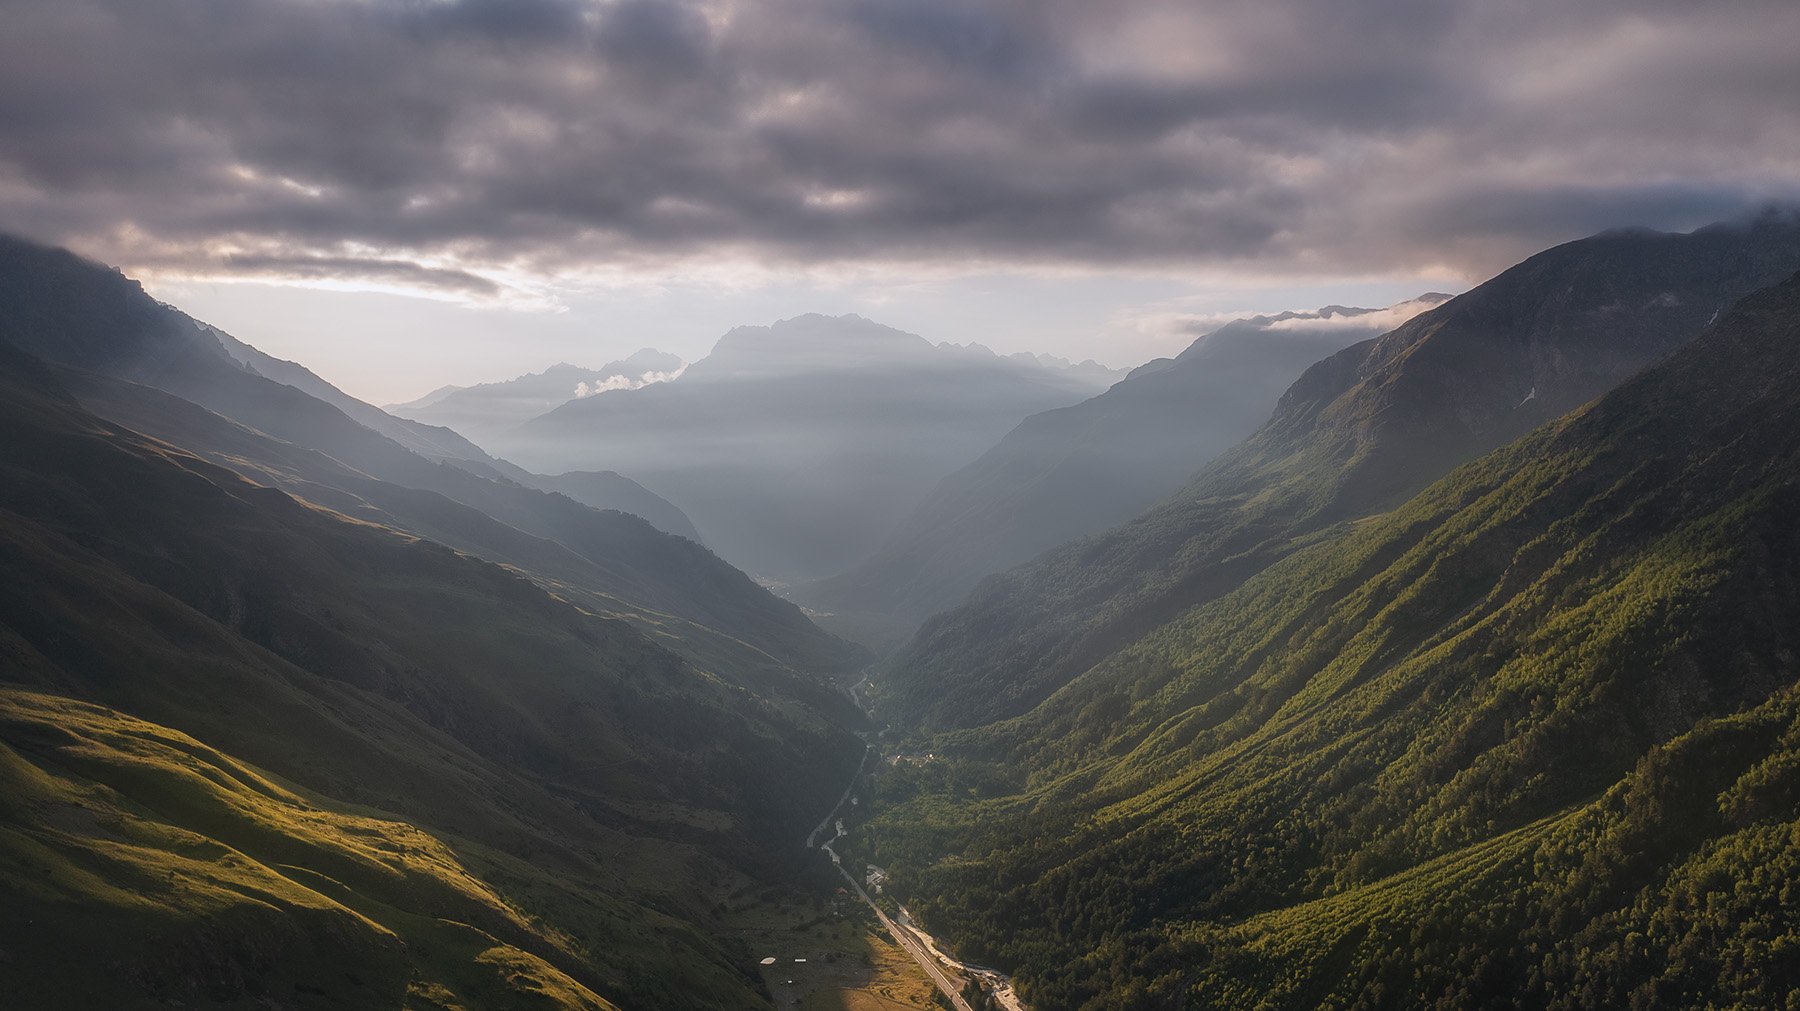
<point x="219" y="701"/>
<point x="125" y="843"/>
<point x="1357" y="434"/>
<point x="1530" y="737"/>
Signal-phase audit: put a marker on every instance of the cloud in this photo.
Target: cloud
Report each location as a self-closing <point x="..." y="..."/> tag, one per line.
<point x="354" y="268"/>
<point x="442" y="143"/>
<point x="1343" y="318"/>
<point x="612" y="383"/>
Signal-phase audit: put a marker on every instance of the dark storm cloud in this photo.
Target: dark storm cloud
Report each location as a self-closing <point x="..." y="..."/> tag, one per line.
<point x="323" y="137"/>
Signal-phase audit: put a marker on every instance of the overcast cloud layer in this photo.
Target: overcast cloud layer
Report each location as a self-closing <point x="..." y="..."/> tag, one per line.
<point x="453" y="144"/>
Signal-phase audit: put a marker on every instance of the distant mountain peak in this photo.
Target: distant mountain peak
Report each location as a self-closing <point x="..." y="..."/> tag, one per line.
<point x="480" y="410"/>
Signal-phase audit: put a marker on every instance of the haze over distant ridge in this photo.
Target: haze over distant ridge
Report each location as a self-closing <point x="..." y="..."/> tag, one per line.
<point x="795" y="447"/>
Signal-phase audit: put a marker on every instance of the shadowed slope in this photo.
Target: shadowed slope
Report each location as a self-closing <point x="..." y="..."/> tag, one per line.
<point x="618" y="588"/>
<point x="73" y="312"/>
<point x="586" y="774"/>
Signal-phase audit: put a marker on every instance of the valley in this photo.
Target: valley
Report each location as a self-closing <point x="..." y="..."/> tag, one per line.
<point x="952" y="978"/>
<point x="1409" y="693"/>
<point x="899" y="505"/>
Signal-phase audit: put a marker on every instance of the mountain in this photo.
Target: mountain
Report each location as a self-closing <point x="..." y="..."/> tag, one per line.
<point x="1531" y="738"/>
<point x="489" y="408"/>
<point x="603" y="490"/>
<point x="596" y="489"/>
<point x="425" y="401"/>
<point x="1357" y="434"/>
<point x="1078" y="470"/>
<point x="93" y="321"/>
<point x="254" y="752"/>
<point x="430" y="441"/>
<point x="608" y="490"/>
<point x="796" y="447"/>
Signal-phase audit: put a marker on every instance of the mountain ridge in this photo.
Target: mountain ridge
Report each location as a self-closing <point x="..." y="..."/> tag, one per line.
<point x="486" y="408"/>
<point x="1493" y="746"/>
<point x="794" y="447"/>
<point x="85" y="316"/>
<point x="395" y="735"/>
<point x="1081" y="469"/>
<point x="1357" y="433"/>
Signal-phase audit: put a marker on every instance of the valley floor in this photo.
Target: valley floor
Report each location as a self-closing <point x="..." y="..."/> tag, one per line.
<point x="952" y="978"/>
<point x="824" y="954"/>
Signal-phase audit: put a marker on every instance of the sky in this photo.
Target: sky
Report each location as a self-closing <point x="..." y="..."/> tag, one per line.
<point x="407" y="193"/>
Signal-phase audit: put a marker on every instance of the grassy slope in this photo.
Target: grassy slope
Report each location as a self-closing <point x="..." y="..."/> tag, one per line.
<point x="597" y="782"/>
<point x="1530" y="736"/>
<point x="1357" y="434"/>
<point x="125" y="844"/>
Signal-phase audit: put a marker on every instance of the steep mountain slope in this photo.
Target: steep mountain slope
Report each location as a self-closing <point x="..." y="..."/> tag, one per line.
<point x="434" y="442"/>
<point x="72" y="312"/>
<point x="1530" y="739"/>
<point x="1357" y="433"/>
<point x="1078" y="470"/>
<point x="796" y="447"/>
<point x="637" y="578"/>
<point x="485" y="409"/>
<point x="601" y="490"/>
<point x="267" y="688"/>
<point x="604" y="490"/>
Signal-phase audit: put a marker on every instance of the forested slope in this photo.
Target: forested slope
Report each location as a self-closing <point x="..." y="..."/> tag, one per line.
<point x="1357" y="434"/>
<point x="1531" y="737"/>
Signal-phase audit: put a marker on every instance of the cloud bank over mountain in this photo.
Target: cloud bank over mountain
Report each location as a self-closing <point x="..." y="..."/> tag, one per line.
<point x="459" y="145"/>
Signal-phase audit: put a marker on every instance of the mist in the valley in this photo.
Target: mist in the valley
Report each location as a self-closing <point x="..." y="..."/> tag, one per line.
<point x="879" y="475"/>
<point x="796" y="447"/>
<point x="1074" y="471"/>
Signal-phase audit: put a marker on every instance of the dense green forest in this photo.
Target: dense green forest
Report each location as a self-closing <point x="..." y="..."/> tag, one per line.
<point x="1529" y="737"/>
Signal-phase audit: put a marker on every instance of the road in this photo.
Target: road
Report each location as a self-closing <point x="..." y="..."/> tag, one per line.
<point x="848" y="790"/>
<point x="996" y="983"/>
<point x="927" y="961"/>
